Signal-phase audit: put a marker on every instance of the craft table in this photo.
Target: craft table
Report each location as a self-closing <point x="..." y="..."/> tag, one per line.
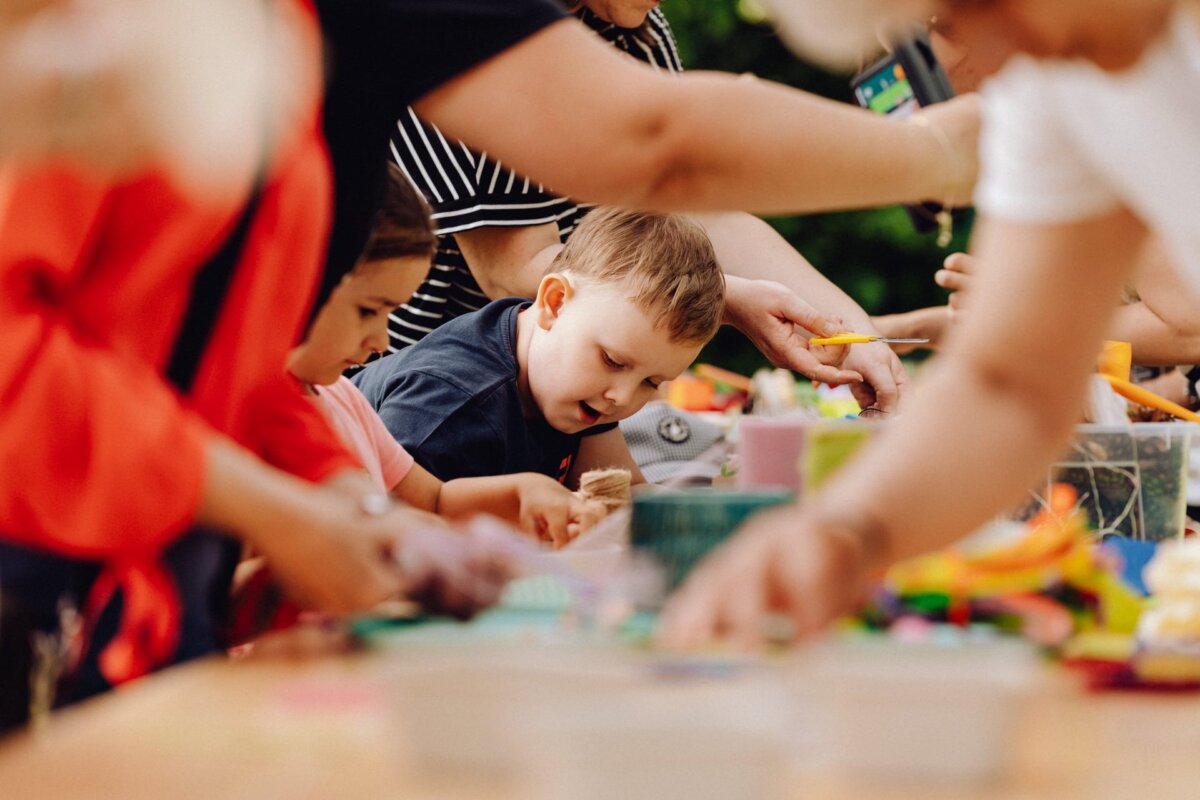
<point x="323" y="728"/>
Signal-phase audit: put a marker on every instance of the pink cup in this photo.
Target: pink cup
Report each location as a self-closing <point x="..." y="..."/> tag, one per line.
<point x="769" y="450"/>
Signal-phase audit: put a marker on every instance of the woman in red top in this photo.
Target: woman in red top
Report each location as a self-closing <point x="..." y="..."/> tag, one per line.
<point x="107" y="466"/>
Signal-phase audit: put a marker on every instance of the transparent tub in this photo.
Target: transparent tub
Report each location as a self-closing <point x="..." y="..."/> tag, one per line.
<point x="1131" y="479"/>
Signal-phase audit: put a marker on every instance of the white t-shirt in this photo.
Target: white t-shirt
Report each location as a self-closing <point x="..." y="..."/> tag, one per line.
<point x="1064" y="142"/>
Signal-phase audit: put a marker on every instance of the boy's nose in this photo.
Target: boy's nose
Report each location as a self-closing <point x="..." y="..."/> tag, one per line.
<point x="620" y="395"/>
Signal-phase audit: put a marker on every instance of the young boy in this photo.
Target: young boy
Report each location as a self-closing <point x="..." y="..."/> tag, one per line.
<point x="539" y="386"/>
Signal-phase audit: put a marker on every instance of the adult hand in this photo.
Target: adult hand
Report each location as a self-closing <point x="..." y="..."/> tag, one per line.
<point x="779" y="563"/>
<point x="333" y="557"/>
<point x="769" y="314"/>
<point x="459" y="574"/>
<point x="884" y="377"/>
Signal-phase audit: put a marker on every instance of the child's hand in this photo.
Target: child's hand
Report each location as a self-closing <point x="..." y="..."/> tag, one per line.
<point x="955" y="277"/>
<point x="551" y="513"/>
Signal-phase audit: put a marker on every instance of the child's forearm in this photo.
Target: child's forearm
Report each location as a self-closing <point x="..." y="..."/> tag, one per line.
<point x="420" y="489"/>
<point x="498" y="495"/>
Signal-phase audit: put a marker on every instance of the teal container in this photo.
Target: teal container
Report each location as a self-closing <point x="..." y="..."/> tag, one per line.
<point x="680" y="528"/>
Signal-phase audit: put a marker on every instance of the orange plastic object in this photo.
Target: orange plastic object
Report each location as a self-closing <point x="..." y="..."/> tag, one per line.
<point x="1115" y="360"/>
<point x="1145" y="397"/>
<point x="691" y="393"/>
<point x="718" y="375"/>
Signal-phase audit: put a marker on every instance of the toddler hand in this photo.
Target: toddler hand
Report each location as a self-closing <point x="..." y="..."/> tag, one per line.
<point x="552" y="513"/>
<point x="955" y="277"/>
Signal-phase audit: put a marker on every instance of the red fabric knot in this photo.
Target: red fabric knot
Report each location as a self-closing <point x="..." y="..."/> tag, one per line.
<point x="150" y="618"/>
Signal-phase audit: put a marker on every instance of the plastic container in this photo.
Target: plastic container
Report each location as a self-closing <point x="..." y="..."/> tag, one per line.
<point x="680" y="528"/>
<point x="1131" y="479"/>
<point x="717" y="738"/>
<point x="769" y="451"/>
<point x="831" y="444"/>
<point x="929" y="712"/>
<point x="459" y="706"/>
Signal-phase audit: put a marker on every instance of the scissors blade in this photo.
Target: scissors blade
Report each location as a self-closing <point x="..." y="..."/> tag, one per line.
<point x="863" y="338"/>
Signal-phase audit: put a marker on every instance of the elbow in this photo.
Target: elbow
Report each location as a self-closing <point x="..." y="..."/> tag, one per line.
<point x="675" y="177"/>
<point x="658" y="167"/>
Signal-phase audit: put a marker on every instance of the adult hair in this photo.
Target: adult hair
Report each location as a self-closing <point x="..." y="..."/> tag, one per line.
<point x="403" y="225"/>
<point x="665" y="260"/>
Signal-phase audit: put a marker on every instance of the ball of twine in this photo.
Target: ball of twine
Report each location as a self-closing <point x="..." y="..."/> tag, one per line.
<point x="609" y="487"/>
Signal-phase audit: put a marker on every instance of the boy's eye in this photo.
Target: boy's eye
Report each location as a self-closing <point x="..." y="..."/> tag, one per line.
<point x="651" y="383"/>
<point x="610" y="361"/>
<point x="367" y="312"/>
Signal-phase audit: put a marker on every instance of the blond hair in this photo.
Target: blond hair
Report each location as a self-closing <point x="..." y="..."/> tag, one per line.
<point x="665" y="260"/>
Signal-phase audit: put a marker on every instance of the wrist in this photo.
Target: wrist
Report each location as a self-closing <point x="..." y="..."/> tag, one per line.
<point x="734" y="298"/>
<point x="861" y="532"/>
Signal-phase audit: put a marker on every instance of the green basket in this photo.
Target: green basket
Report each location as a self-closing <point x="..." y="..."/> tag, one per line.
<point x="679" y="529"/>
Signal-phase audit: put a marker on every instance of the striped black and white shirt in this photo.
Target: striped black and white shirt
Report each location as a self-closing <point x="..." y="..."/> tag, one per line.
<point x="467" y="190"/>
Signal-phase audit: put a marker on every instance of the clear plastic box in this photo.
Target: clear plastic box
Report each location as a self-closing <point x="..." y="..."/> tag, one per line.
<point x="1131" y="479"/>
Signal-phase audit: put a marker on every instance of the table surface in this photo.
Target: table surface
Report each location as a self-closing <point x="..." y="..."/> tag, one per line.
<point x="324" y="727"/>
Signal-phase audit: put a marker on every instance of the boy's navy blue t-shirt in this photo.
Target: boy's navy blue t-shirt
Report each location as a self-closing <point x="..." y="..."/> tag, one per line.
<point x="452" y="400"/>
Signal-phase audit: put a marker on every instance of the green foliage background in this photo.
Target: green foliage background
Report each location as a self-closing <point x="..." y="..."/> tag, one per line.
<point x="875" y="256"/>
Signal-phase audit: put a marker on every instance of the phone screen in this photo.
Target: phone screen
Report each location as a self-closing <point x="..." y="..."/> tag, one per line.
<point x="887" y="90"/>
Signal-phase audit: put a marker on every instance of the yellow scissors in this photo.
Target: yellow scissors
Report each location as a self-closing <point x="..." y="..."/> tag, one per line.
<point x="863" y="338"/>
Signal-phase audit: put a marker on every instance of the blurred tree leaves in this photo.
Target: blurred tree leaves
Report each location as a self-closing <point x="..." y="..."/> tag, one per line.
<point x="875" y="256"/>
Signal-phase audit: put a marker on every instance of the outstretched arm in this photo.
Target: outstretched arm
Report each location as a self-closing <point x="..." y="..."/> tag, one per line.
<point x="1163" y="327"/>
<point x="697" y="141"/>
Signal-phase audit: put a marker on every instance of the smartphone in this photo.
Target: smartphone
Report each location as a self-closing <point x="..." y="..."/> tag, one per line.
<point x="897" y="85"/>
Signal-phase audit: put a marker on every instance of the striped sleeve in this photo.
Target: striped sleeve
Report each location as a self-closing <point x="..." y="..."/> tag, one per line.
<point x="466" y="189"/>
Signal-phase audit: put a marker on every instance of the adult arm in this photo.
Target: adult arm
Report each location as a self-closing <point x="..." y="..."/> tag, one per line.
<point x="993" y="414"/>
<point x="931" y="322"/>
<point x="697" y="141"/>
<point x="1163" y="327"/>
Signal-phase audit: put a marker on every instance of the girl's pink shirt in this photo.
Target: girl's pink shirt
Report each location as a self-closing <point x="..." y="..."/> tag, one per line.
<point x="363" y="433"/>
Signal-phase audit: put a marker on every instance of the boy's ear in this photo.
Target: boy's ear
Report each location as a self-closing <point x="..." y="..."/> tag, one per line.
<point x="553" y="292"/>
